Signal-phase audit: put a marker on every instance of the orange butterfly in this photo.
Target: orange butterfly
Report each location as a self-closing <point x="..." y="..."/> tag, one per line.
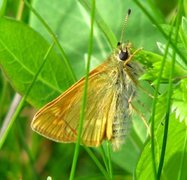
<point x="111" y="87"/>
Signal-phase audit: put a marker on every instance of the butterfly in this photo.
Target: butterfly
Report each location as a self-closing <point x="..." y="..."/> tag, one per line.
<point x="111" y="88"/>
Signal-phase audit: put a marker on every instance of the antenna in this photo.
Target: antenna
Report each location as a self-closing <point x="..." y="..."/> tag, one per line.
<point x="124" y="25"/>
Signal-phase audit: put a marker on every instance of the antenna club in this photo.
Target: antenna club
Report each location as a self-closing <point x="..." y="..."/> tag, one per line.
<point x="129" y="12"/>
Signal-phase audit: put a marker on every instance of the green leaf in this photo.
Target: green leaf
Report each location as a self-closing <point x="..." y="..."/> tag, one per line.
<point x="184" y="31"/>
<point x="2" y="7"/>
<point x="153" y="63"/>
<point x="175" y="158"/>
<point x="180" y="101"/>
<point x="21" y="53"/>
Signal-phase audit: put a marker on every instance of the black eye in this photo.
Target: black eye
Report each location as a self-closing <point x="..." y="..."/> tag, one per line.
<point x="118" y="44"/>
<point x="123" y="55"/>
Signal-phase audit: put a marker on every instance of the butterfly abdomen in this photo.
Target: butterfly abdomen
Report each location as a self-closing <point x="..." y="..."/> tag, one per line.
<point x="125" y="91"/>
<point x="119" y="132"/>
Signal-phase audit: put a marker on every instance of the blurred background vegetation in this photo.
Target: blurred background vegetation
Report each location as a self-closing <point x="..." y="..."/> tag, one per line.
<point x="25" y="154"/>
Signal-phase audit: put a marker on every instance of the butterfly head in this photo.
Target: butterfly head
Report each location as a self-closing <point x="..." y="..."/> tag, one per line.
<point x="123" y="51"/>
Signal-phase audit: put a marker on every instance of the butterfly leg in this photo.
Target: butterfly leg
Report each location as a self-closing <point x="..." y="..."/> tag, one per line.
<point x="140" y="115"/>
<point x="145" y="91"/>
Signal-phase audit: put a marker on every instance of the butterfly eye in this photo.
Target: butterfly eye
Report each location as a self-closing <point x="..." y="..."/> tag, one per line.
<point x="118" y="44"/>
<point x="123" y="55"/>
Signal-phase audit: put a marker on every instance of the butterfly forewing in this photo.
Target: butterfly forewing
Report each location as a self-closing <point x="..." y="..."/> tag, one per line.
<point x="59" y="119"/>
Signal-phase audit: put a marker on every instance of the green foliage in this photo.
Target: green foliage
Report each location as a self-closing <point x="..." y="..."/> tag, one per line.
<point x="22" y="50"/>
<point x="175" y="159"/>
<point x="175" y="154"/>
